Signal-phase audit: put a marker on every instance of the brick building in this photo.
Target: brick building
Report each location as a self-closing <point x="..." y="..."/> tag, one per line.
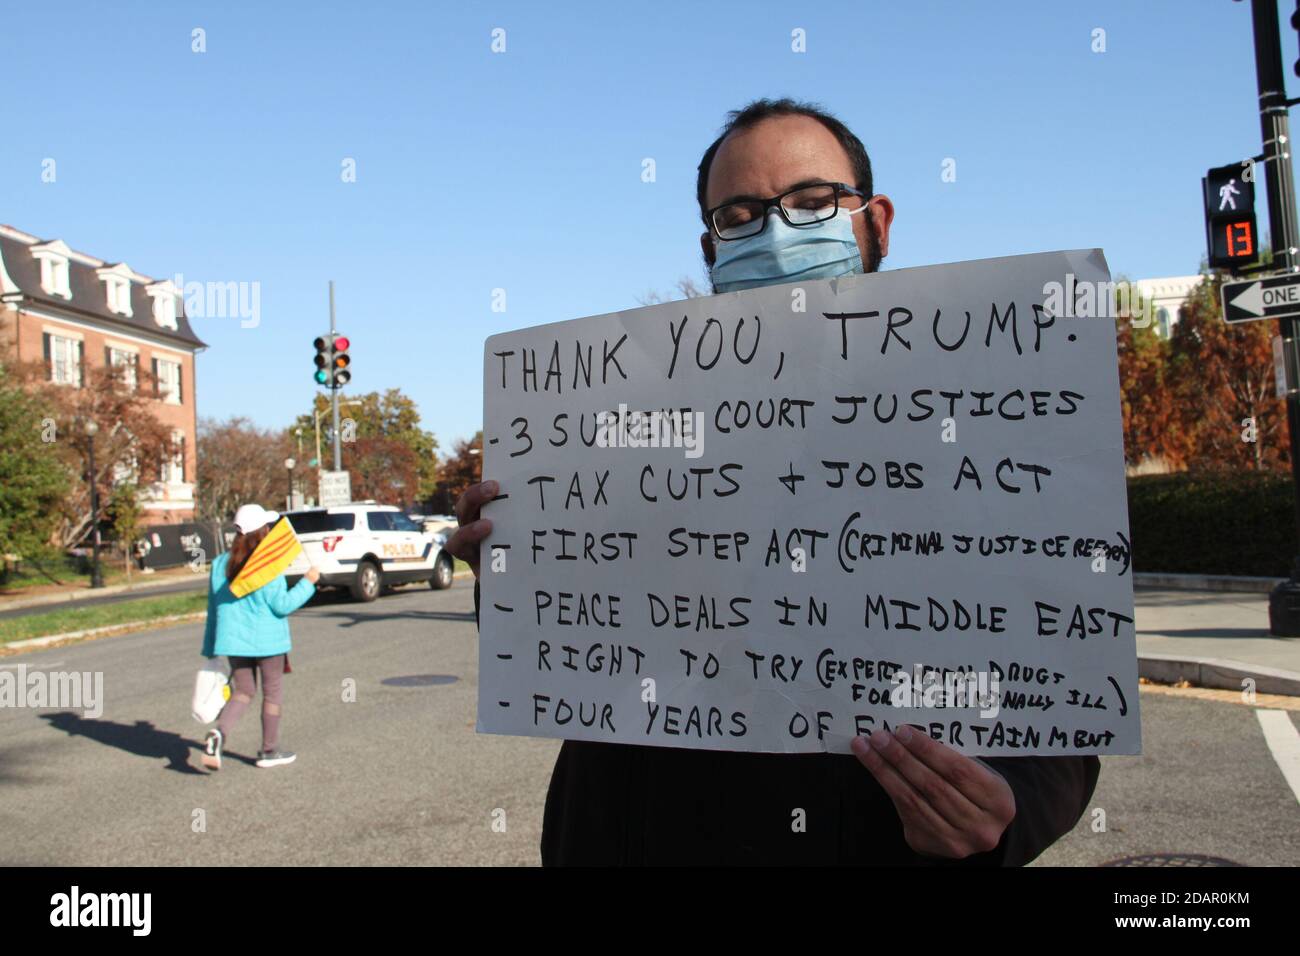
<point x="74" y="311"/>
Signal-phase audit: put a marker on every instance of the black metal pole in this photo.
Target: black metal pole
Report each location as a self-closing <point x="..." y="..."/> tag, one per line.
<point x="96" y="574"/>
<point x="1275" y="130"/>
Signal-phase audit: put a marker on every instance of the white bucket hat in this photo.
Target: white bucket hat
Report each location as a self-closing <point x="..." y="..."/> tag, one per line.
<point x="251" y="517"/>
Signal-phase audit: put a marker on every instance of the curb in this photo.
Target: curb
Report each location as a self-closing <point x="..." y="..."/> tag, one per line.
<point x="1217" y="672"/>
<point x="1203" y="582"/>
<point x="37" y="642"/>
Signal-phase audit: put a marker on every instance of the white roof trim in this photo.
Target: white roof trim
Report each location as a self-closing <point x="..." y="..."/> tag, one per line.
<point x="18" y="234"/>
<point x="166" y="287"/>
<point x="62" y="248"/>
<point x="52" y="249"/>
<point x="122" y="271"/>
<point x="7" y="285"/>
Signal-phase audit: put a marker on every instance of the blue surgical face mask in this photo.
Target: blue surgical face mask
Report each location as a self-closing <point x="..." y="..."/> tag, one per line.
<point x="784" y="253"/>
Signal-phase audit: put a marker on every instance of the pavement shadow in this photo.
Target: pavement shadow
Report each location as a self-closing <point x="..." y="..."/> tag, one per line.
<point x="140" y="738"/>
<point x="1207" y="632"/>
<point x="352" y="620"/>
<point x="324" y="597"/>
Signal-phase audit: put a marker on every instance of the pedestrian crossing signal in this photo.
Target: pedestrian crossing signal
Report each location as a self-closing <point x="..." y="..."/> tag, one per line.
<point x="1231" y="232"/>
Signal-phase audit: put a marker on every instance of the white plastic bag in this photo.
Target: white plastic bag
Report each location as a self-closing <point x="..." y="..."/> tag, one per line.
<point x="211" y="691"/>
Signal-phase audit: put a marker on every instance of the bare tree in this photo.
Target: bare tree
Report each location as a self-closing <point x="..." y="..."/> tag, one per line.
<point x="686" y="288"/>
<point x="239" y="463"/>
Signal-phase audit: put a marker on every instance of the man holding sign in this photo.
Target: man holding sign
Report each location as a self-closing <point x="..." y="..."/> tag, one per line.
<point x="786" y="195"/>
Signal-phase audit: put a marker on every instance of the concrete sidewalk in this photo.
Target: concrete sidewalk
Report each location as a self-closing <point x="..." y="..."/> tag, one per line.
<point x="1213" y="639"/>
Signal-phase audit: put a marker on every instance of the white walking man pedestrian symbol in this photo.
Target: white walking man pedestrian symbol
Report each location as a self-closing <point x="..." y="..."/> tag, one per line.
<point x="1226" y="192"/>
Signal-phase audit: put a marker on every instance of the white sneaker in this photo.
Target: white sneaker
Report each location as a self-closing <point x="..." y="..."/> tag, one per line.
<point x="212" y="749"/>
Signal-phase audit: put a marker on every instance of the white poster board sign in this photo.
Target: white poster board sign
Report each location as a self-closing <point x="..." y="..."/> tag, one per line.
<point x="884" y="499"/>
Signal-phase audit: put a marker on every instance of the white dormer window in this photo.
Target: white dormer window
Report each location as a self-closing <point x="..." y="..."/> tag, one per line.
<point x="53" y="257"/>
<point x="119" y="296"/>
<point x="164" y="296"/>
<point x="117" y="288"/>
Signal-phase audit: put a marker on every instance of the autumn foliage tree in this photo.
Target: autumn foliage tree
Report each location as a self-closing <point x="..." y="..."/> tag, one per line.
<point x="389" y="415"/>
<point x="1151" y="421"/>
<point x="458" y="472"/>
<point x="386" y="470"/>
<point x="130" y="442"/>
<point x="1222" y="386"/>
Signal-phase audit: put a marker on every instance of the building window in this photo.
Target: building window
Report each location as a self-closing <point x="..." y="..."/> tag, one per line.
<point x="169" y="380"/>
<point x="126" y="472"/>
<point x="164" y="311"/>
<point x="1162" y="319"/>
<point x="119" y="295"/>
<point x="126" y="360"/>
<point x="54" y="276"/>
<point x="173" y="468"/>
<point x="63" y="358"/>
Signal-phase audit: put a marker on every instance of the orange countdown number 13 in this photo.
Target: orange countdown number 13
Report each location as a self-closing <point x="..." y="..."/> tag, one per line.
<point x="1239" y="245"/>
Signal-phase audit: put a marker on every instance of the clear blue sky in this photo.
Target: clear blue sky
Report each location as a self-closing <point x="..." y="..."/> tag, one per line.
<point x="522" y="170"/>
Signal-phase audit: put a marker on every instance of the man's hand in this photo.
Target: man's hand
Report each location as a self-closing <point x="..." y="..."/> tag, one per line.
<point x="313" y="574"/>
<point x="951" y="805"/>
<point x="473" y="529"/>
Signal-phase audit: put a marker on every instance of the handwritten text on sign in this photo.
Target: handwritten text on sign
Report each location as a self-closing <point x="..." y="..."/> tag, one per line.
<point x="776" y="519"/>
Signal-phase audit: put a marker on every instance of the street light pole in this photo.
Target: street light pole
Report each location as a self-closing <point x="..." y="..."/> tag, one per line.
<point x="96" y="573"/>
<point x="288" y="465"/>
<point x="1275" y="130"/>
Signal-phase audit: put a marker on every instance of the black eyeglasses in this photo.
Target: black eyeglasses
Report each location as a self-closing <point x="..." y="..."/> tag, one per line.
<point x="802" y="206"/>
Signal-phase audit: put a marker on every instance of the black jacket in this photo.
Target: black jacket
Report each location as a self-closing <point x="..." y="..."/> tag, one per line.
<point x="626" y="804"/>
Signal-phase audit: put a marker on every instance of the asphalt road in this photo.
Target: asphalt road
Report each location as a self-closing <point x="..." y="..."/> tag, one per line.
<point x="400" y="777"/>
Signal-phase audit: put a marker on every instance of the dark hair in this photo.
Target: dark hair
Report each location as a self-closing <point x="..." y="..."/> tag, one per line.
<point x="759" y="110"/>
<point x="242" y="550"/>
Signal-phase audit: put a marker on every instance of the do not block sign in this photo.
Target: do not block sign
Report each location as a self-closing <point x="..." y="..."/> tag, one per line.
<point x="773" y="520"/>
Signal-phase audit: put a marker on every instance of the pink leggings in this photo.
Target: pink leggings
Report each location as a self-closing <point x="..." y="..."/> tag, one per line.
<point x="243" y="687"/>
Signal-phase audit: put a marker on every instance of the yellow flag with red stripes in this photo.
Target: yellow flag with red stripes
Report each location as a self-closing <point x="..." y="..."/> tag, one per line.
<point x="268" y="560"/>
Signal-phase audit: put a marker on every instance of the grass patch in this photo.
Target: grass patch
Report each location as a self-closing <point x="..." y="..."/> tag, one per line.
<point x="104" y="615"/>
<point x="63" y="569"/>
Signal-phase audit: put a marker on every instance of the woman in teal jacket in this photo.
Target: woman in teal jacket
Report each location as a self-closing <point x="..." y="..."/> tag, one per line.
<point x="253" y="632"/>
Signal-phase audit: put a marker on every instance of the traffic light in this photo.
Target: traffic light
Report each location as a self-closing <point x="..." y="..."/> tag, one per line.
<point x="332" y="360"/>
<point x="1295" y="25"/>
<point x="1231" y="233"/>
<point x="323" y="363"/>
<point x="341" y="361"/>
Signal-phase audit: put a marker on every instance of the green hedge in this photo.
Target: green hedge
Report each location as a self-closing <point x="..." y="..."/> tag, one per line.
<point x="1240" y="523"/>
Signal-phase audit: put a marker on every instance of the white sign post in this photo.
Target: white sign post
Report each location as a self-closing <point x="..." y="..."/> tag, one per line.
<point x="777" y="519"/>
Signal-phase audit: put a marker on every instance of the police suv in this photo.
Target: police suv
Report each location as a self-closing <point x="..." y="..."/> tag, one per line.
<point x="366" y="547"/>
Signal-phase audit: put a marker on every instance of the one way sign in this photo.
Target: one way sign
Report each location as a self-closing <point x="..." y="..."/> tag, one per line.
<point x="1277" y="297"/>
